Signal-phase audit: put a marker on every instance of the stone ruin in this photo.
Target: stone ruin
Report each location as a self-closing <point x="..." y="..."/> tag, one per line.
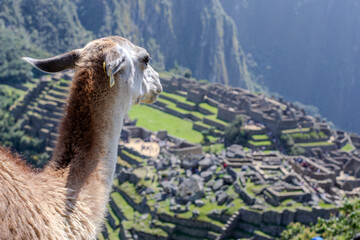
<point x="188" y="178"/>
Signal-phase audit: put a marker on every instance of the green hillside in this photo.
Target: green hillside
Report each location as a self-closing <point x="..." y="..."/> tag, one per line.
<point x="161" y="26"/>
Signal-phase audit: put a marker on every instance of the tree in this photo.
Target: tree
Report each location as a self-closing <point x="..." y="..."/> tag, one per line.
<point x="206" y="133"/>
<point x="13" y="46"/>
<point x="289" y="145"/>
<point x="234" y="133"/>
<point x="343" y="226"/>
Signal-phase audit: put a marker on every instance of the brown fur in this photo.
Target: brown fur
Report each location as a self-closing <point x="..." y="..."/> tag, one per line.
<point x="67" y="199"/>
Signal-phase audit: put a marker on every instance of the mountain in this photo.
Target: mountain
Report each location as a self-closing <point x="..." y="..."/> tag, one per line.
<point x="195" y="34"/>
<point x="306" y="50"/>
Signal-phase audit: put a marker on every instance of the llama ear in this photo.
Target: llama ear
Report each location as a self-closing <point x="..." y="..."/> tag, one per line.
<point x="115" y="60"/>
<point x="55" y="64"/>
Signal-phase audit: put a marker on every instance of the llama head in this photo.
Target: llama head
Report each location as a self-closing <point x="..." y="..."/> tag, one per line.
<point x="122" y="62"/>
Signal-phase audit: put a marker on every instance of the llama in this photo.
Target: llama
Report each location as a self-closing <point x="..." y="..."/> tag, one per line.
<point x="67" y="199"/>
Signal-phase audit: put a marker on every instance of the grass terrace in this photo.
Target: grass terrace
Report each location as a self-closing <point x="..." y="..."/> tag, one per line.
<point x="171" y="105"/>
<point x="132" y="156"/>
<point x="29" y="84"/>
<point x="208" y="126"/>
<point x="214" y="118"/>
<point x="347" y="148"/>
<point x="156" y="120"/>
<point x="214" y="148"/>
<point x="260" y="137"/>
<point x="166" y="75"/>
<point x="132" y="216"/>
<point x="309" y="135"/>
<point x="261" y="143"/>
<point x="11" y="90"/>
<point x="208" y="107"/>
<point x="177" y="98"/>
<point x="314" y="144"/>
<point x="296" y="130"/>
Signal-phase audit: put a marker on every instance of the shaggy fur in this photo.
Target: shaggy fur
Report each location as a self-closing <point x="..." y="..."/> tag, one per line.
<point x="67" y="200"/>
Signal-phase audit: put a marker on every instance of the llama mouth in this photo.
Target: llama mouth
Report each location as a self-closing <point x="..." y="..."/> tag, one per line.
<point x="138" y="100"/>
<point x="151" y="99"/>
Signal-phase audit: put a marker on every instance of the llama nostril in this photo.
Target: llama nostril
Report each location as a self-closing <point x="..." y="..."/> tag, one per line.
<point x="158" y="88"/>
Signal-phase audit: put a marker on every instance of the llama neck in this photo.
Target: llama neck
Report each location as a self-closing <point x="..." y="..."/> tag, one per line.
<point x="86" y="152"/>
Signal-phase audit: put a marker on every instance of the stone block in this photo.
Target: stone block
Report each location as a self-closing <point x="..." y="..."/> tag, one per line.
<point x="249" y="216"/>
<point x="287" y="217"/>
<point x="218" y="184"/>
<point x="305" y="217"/>
<point x="272" y="217"/>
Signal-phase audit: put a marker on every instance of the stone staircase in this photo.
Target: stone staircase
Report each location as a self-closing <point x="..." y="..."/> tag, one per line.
<point x="229" y="226"/>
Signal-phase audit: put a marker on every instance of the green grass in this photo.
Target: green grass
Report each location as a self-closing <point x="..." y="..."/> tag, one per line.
<point x="347" y="148"/>
<point x="203" y="124"/>
<point x="130" y="190"/>
<point x="123" y="205"/>
<point x="269" y="151"/>
<point x="100" y="236"/>
<point x="314" y="144"/>
<point x="113" y="234"/>
<point x="260" y="233"/>
<point x="130" y="213"/>
<point x="132" y="156"/>
<point x="166" y="75"/>
<point x="11" y="90"/>
<point x="322" y="204"/>
<point x="214" y="148"/>
<point x="214" y="119"/>
<point x="156" y="120"/>
<point x="293" y="207"/>
<point x="177" y="98"/>
<point x="253" y="189"/>
<point x="209" y="127"/>
<point x="208" y="107"/>
<point x="309" y="135"/>
<point x="262" y="143"/>
<point x="296" y="130"/>
<point x="143" y="225"/>
<point x="260" y="137"/>
<point x="117" y="221"/>
<point x="28" y="85"/>
<point x="171" y="105"/>
<point x="197" y="114"/>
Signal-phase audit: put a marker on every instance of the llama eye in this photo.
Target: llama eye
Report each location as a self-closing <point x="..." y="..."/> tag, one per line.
<point x="146" y="60"/>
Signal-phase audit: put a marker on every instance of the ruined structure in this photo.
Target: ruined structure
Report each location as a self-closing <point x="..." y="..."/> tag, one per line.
<point x="174" y="191"/>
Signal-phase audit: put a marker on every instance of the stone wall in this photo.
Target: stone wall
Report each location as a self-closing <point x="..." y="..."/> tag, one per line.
<point x="19" y="108"/>
<point x="273" y="222"/>
<point x="186" y="149"/>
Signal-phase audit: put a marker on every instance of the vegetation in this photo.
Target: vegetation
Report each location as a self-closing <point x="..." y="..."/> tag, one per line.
<point x="313" y="135"/>
<point x="261" y="143"/>
<point x="296" y="130"/>
<point x="178" y="98"/>
<point x="344" y="226"/>
<point x="314" y="144"/>
<point x="11" y="134"/>
<point x="290" y="147"/>
<point x="12" y="47"/>
<point x="156" y="120"/>
<point x="260" y="137"/>
<point x="347" y="148"/>
<point x="208" y="107"/>
<point x="234" y="134"/>
<point x="214" y="148"/>
<point x="207" y="134"/>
